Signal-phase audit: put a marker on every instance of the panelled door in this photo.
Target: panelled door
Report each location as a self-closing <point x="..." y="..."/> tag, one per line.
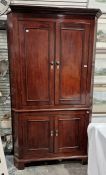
<point x="37" y="134"/>
<point x="72" y="42"/>
<point x="70" y="133"/>
<point x="37" y="56"/>
<point x="63" y="133"/>
<point x="47" y="134"/>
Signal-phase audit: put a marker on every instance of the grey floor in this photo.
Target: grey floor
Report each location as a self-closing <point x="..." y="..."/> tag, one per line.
<point x="53" y="168"/>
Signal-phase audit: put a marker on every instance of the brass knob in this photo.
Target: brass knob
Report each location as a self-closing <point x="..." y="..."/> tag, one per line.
<point x="57" y="63"/>
<point x="52" y="63"/>
<point x="57" y="133"/>
<point x="51" y="133"/>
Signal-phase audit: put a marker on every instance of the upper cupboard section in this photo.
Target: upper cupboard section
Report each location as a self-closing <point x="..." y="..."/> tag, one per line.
<point x="54" y="62"/>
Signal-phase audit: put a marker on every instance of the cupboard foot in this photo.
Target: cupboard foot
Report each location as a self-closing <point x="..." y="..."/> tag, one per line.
<point x="19" y="165"/>
<point x="84" y="161"/>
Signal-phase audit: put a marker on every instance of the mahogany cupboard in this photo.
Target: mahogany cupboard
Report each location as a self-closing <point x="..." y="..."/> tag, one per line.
<point x="51" y="55"/>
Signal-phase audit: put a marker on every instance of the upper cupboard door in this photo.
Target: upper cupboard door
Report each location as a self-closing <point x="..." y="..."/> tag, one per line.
<point x="72" y="47"/>
<point x="36" y="58"/>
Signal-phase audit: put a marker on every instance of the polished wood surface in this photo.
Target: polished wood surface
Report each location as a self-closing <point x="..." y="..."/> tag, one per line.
<point x="50" y="135"/>
<point x="42" y="141"/>
<point x="70" y="133"/>
<point x="37" y="48"/>
<point x="87" y="13"/>
<point x="51" y="57"/>
<point x="72" y="55"/>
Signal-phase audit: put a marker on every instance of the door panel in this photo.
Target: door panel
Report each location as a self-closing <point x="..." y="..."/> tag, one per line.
<point x="72" y="60"/>
<point x="71" y="131"/>
<point x="69" y="139"/>
<point x="38" y="138"/>
<point x="36" y="62"/>
<point x="37" y="39"/>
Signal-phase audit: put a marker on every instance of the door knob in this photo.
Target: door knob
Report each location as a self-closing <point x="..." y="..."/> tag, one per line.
<point x="57" y="63"/>
<point x="57" y="133"/>
<point x="52" y="63"/>
<point x="51" y="133"/>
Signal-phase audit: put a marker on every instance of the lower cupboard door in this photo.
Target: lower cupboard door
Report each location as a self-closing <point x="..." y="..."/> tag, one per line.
<point x="71" y="134"/>
<point x="38" y="135"/>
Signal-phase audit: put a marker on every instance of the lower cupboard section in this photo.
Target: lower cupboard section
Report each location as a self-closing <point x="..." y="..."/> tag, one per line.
<point x="50" y="135"/>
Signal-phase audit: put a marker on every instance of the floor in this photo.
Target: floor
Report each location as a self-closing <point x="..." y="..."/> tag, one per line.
<point x="49" y="168"/>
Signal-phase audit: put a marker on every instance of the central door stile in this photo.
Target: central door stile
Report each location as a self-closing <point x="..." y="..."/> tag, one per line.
<point x="51" y="134"/>
<point x="52" y="61"/>
<point x="56" y="134"/>
<point x="57" y="62"/>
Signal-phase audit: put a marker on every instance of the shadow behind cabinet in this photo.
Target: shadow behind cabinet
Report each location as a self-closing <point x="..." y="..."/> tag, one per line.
<point x="51" y="73"/>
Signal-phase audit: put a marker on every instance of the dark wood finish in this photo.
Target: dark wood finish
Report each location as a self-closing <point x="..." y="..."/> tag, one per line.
<point x="43" y="134"/>
<point x="37" y="85"/>
<point x="51" y="56"/>
<point x="72" y="66"/>
<point x="70" y="132"/>
<point x="42" y="141"/>
<point x="19" y="164"/>
<point x="90" y="13"/>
